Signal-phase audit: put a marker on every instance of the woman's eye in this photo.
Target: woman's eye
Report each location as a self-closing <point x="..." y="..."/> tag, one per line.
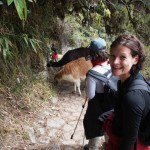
<point x="123" y="57"/>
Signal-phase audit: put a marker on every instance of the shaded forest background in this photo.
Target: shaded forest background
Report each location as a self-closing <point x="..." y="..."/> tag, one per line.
<point x="29" y="27"/>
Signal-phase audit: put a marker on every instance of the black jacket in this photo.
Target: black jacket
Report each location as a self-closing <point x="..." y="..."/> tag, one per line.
<point x="130" y="109"/>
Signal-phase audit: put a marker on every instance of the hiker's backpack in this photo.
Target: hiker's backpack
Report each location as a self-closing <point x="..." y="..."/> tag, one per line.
<point x="144" y="131"/>
<point x="110" y="87"/>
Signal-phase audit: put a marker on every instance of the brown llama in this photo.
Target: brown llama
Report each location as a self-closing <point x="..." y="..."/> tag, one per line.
<point x="74" y="71"/>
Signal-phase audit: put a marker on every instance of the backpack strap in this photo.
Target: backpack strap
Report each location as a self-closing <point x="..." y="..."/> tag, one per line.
<point x="108" y="72"/>
<point x="140" y="85"/>
<point x="110" y="82"/>
<point x="99" y="76"/>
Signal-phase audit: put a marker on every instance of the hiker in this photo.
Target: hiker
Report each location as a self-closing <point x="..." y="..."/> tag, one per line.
<point x="54" y="56"/>
<point x="127" y="57"/>
<point x="53" y="48"/>
<point x="95" y="94"/>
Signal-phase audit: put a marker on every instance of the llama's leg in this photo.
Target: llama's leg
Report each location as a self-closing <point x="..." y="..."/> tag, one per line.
<point x="84" y="84"/>
<point x="78" y="83"/>
<point x="75" y="88"/>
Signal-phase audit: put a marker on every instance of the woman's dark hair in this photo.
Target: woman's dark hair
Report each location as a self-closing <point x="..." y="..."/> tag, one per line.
<point x="136" y="47"/>
<point x="98" y="56"/>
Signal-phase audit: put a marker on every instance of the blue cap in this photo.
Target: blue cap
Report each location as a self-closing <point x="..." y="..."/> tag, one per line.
<point x="98" y="44"/>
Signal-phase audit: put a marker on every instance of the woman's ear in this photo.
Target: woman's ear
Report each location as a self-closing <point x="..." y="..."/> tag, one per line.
<point x="136" y="59"/>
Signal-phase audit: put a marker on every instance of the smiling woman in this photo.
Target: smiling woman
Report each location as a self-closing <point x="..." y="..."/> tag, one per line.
<point x="127" y="57"/>
<point x="121" y="61"/>
<point x="136" y="50"/>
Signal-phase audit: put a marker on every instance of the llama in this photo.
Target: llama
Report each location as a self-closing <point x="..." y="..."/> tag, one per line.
<point x="74" y="71"/>
<point x="69" y="56"/>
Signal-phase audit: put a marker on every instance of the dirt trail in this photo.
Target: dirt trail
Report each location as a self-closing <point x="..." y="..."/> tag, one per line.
<point x="54" y="123"/>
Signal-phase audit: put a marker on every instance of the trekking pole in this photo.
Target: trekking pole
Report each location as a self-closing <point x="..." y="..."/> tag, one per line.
<point x="79" y="118"/>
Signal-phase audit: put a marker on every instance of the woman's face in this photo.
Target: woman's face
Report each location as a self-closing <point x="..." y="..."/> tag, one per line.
<point x="121" y="61"/>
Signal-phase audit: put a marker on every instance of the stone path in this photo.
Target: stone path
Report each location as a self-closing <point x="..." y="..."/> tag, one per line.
<point x="54" y="126"/>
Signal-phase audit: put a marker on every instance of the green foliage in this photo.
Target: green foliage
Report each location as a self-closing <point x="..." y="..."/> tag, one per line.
<point x="9" y="1"/>
<point x="23" y="41"/>
<point x="79" y="35"/>
<point x="25" y="135"/>
<point x="21" y="8"/>
<point x="6" y="46"/>
<point x="26" y="42"/>
<point x="58" y="22"/>
<point x="146" y="69"/>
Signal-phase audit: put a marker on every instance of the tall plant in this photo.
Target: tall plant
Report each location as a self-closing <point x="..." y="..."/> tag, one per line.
<point x="21" y="7"/>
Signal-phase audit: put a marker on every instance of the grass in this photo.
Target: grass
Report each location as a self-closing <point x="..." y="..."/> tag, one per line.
<point x="25" y="135"/>
<point x="18" y="109"/>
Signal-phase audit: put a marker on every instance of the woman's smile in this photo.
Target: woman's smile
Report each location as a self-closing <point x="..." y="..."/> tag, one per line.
<point x="121" y="61"/>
